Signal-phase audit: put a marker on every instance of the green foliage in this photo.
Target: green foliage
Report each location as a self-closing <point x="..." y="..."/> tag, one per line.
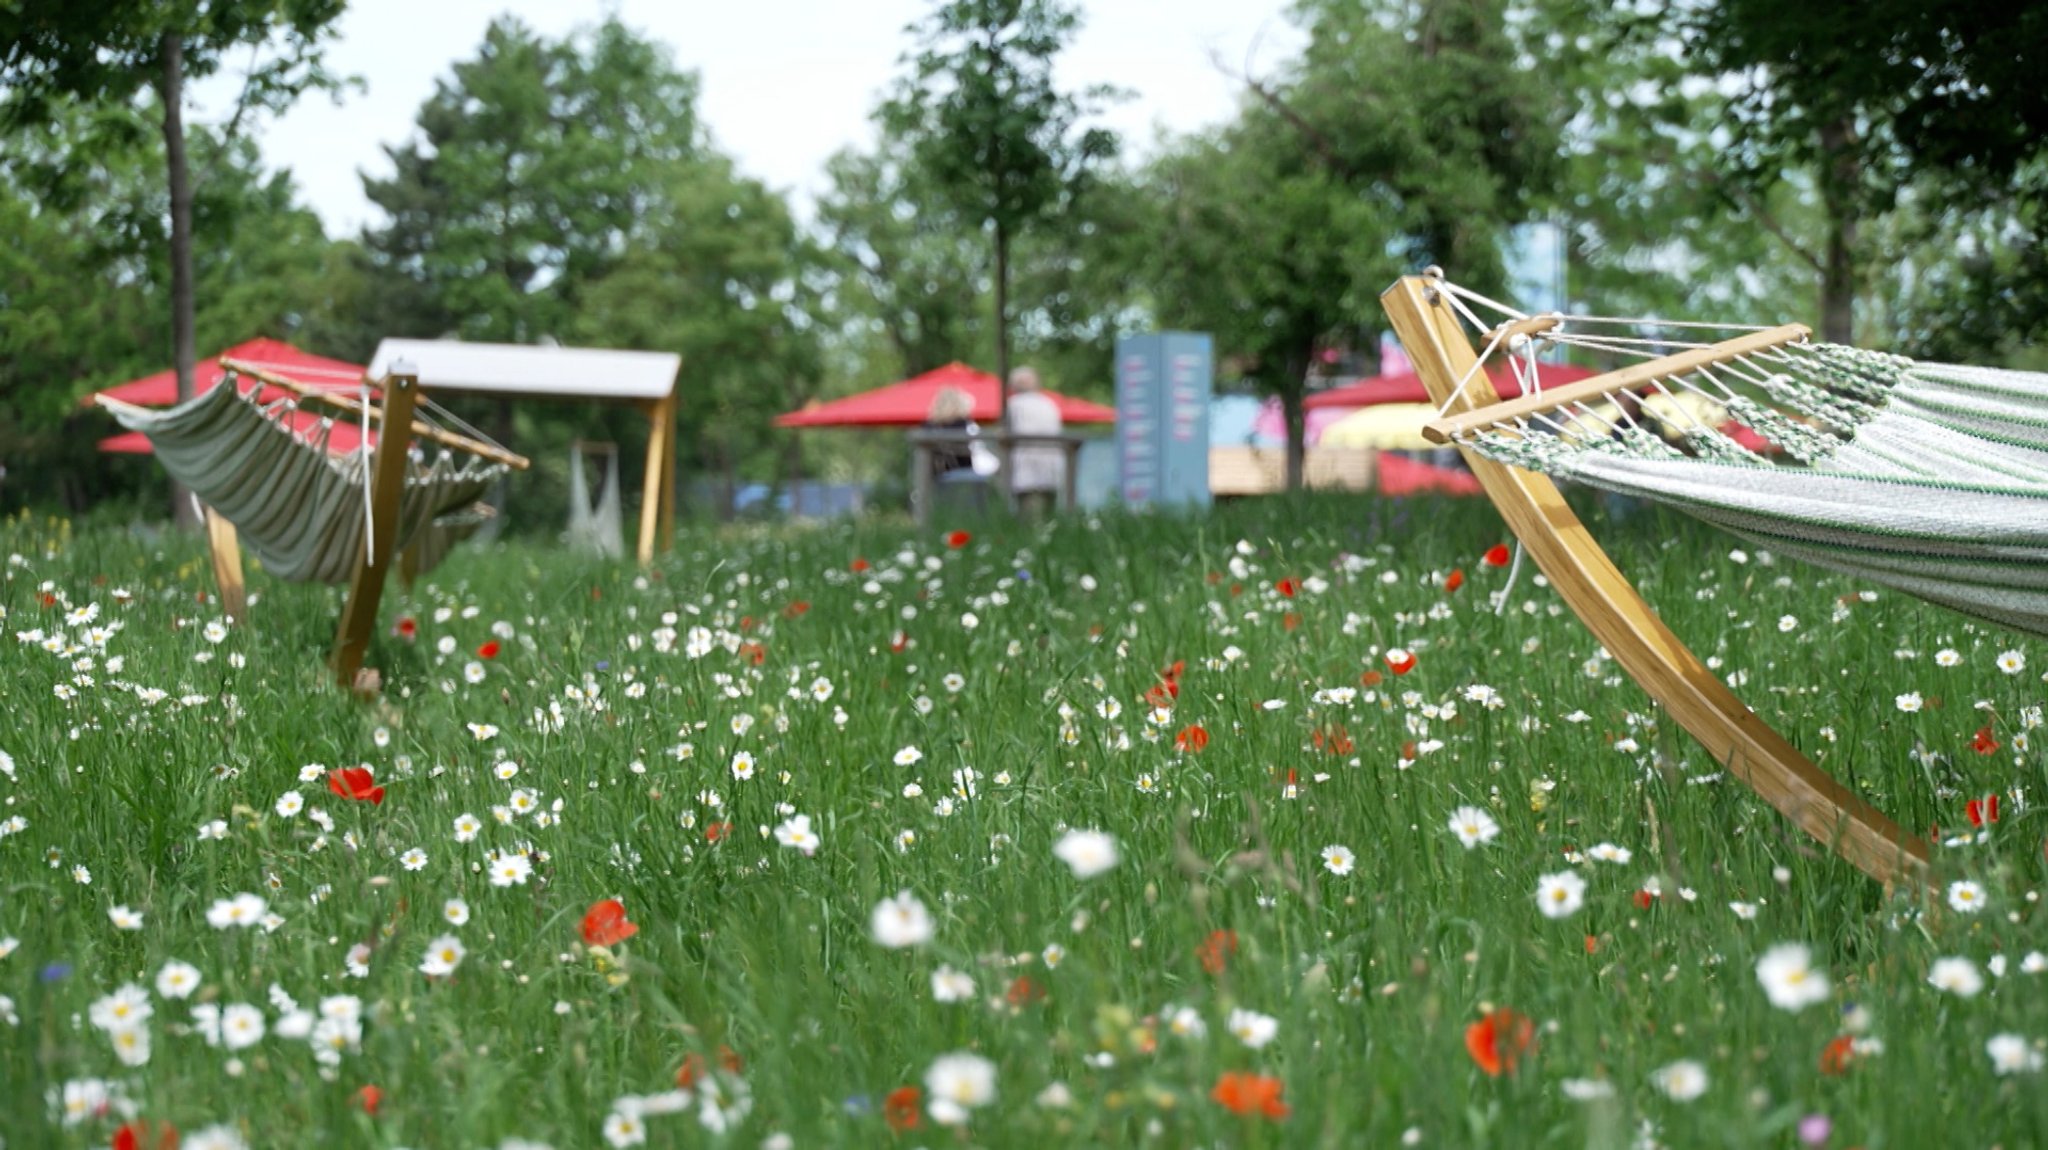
<point x="533" y="164"/>
<point x="104" y="53"/>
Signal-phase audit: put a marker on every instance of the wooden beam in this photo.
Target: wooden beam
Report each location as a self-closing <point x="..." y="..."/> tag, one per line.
<point x="387" y="485"/>
<point x="661" y="429"/>
<point x="1497" y="412"/>
<point x="1654" y="657"/>
<point x="667" y="541"/>
<point x="353" y="406"/>
<point x="225" y="548"/>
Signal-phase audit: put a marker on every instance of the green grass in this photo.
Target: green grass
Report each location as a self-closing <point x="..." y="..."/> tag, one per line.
<point x="1373" y="976"/>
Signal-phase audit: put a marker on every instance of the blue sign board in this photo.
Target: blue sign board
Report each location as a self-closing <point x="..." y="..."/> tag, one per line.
<point x="1162" y="419"/>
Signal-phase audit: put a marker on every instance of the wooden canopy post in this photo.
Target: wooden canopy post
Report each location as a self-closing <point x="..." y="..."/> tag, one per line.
<point x="387" y="484"/>
<point x="658" y="483"/>
<point x="225" y="548"/>
<point x="1605" y="602"/>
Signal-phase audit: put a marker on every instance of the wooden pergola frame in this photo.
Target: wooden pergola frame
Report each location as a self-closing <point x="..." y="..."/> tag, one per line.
<point x="645" y="381"/>
<point x="1435" y="341"/>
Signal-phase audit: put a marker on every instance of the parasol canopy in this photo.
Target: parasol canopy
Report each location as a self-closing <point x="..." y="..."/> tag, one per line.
<point x="905" y="404"/>
<point x="318" y="371"/>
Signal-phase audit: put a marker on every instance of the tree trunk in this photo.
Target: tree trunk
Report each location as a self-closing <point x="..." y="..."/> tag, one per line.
<point x="184" y="353"/>
<point x="1296" y="417"/>
<point x="1841" y="171"/>
<point x="1003" y="350"/>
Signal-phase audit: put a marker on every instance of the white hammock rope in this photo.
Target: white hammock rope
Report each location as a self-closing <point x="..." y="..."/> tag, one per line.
<point x="1928" y="478"/>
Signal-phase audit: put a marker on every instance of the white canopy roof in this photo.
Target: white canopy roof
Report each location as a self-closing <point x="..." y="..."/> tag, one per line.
<point x="522" y="369"/>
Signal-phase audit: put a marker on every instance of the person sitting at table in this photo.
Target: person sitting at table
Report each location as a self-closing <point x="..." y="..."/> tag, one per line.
<point x="1041" y="469"/>
<point x="951" y="410"/>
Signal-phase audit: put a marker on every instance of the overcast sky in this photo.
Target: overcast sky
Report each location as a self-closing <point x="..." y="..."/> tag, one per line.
<point x="785" y="83"/>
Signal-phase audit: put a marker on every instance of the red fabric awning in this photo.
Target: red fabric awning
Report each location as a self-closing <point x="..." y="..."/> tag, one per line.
<point x="1407" y="387"/>
<point x="318" y="371"/>
<point x="905" y="404"/>
<point x="161" y="389"/>
<point x="344" y="438"/>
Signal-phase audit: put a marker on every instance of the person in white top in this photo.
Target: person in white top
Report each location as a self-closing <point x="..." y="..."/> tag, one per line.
<point x="1037" y="471"/>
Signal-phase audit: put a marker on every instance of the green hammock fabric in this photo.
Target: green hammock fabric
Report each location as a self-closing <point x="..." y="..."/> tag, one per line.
<point x="1930" y="479"/>
<point x="298" y="507"/>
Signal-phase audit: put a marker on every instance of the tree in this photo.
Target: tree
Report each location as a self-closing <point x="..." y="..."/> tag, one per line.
<point x="532" y="164"/>
<point x="905" y="260"/>
<point x="107" y="52"/>
<point x="1819" y="124"/>
<point x="990" y="129"/>
<point x="1404" y="135"/>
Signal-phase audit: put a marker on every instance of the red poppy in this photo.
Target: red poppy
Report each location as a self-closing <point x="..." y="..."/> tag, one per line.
<point x="1244" y="1093"/>
<point x="958" y="539"/>
<point x="754" y="653"/>
<point x="858" y="565"/>
<point x="900" y="1108"/>
<point x="1400" y="660"/>
<point x="691" y="1071"/>
<point x="898" y="642"/>
<point x="488" y="651"/>
<point x="797" y="609"/>
<point x="1370" y="678"/>
<point x="729" y="1059"/>
<point x="356" y="783"/>
<point x="1837" y="1054"/>
<point x="1592" y="944"/>
<point x="717" y="831"/>
<point x="604" y="924"/>
<point x="1453" y="581"/>
<point x="1984" y="743"/>
<point x="1161" y="695"/>
<point x="1287" y="587"/>
<point x="1024" y="991"/>
<point x="1215" y="951"/>
<point x="1496" y="1041"/>
<point x="1291" y="621"/>
<point x="143" y="1134"/>
<point x="1644" y="898"/>
<point x="407" y="627"/>
<point x="50" y="600"/>
<point x="1192" y="737"/>
<point x="369" y="1098"/>
<point x="1981" y="811"/>
<point x="1334" y="739"/>
<point x="1496" y="556"/>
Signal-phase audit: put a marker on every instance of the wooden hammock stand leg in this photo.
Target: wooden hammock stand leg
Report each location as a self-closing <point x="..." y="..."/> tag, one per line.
<point x="387" y="484"/>
<point x="1609" y="606"/>
<point x="225" y="547"/>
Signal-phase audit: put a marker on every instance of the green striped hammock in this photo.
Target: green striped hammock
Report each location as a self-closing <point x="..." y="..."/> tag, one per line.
<point x="1928" y="478"/>
<point x="298" y="507"/>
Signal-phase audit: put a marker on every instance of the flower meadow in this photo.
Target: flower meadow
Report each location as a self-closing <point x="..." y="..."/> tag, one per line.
<point x="1303" y="823"/>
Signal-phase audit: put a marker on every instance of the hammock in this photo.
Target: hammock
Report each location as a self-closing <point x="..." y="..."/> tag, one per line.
<point x="298" y="507"/>
<point x="1931" y="479"/>
<point x="1926" y="478"/>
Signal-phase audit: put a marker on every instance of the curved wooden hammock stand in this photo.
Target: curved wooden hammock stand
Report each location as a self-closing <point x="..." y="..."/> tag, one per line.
<point x="1435" y="340"/>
